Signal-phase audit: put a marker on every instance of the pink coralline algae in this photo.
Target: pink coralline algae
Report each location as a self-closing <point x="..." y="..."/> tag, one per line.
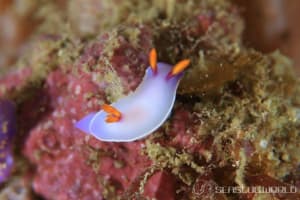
<point x="70" y="163"/>
<point x="7" y="131"/>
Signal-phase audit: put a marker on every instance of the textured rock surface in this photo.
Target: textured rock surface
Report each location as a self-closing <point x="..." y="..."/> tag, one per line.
<point x="236" y="116"/>
<point x="18" y="19"/>
<point x="271" y="25"/>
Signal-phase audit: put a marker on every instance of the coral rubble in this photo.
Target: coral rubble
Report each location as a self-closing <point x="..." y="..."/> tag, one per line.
<point x="236" y="118"/>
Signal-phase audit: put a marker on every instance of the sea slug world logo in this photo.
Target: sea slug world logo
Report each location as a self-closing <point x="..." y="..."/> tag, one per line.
<point x="206" y="189"/>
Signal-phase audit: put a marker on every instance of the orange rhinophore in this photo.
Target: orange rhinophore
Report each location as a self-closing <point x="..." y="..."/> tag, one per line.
<point x="113" y="114"/>
<point x="153" y="60"/>
<point x="112" y="118"/>
<point x="179" y="67"/>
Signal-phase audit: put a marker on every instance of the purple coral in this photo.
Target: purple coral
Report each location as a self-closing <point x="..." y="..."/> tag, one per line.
<point x="7" y="131"/>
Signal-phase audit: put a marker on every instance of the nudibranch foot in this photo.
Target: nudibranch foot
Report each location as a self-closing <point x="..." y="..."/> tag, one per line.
<point x="141" y="112"/>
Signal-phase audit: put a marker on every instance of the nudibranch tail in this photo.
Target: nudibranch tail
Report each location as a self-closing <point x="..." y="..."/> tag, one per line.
<point x="178" y="68"/>
<point x="84" y="123"/>
<point x="153" y="60"/>
<point x="113" y="114"/>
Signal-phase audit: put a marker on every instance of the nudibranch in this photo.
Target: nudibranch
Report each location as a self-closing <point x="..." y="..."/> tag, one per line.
<point x="7" y="131"/>
<point x="141" y="112"/>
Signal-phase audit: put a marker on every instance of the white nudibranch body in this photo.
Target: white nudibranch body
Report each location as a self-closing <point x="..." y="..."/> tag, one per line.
<point x="141" y="112"/>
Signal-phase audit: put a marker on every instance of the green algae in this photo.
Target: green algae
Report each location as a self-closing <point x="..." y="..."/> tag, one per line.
<point x="109" y="190"/>
<point x="115" y="90"/>
<point x="256" y="117"/>
<point x="49" y="49"/>
<point x="258" y="106"/>
<point x="168" y="157"/>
